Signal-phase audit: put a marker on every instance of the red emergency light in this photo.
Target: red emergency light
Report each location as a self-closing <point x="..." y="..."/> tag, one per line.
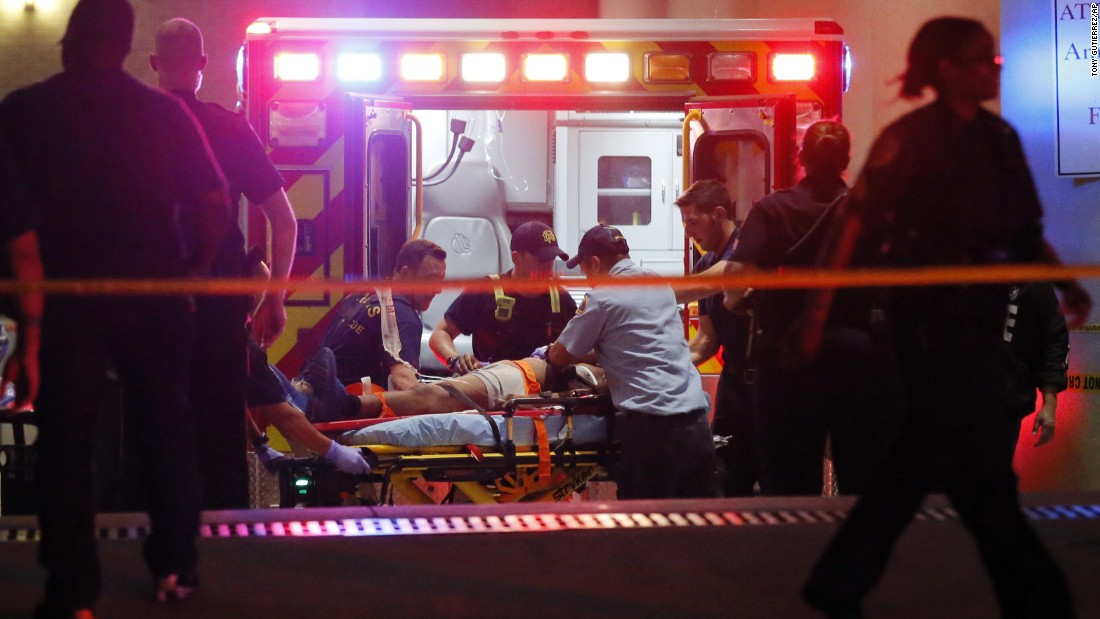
<point x="792" y="67"/>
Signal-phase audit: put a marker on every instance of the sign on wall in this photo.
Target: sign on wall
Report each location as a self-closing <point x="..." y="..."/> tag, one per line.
<point x="1077" y="86"/>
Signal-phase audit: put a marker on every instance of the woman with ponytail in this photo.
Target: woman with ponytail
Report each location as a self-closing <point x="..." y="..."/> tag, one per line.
<point x="946" y="184"/>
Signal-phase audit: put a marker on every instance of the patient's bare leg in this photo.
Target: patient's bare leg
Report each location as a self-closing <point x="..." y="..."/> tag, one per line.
<point x="426" y="399"/>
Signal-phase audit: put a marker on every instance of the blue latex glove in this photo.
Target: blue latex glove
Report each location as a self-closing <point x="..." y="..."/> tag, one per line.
<point x="540" y="352"/>
<point x="347" y="459"/>
<point x="268" y="456"/>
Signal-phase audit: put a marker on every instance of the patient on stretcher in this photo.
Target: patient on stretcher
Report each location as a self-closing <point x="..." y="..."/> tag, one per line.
<point x="489" y="387"/>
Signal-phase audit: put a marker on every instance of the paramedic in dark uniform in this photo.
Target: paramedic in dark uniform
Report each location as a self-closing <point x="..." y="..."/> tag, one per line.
<point x="508" y="325"/>
<point x="111" y="164"/>
<point x="636" y="335"/>
<point x="842" y="397"/>
<point x="1036" y="333"/>
<point x="357" y="335"/>
<point x="946" y="184"/>
<point x="221" y="358"/>
<point x="707" y="211"/>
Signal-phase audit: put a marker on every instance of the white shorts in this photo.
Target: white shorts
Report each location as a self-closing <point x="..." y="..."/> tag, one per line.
<point x="502" y="381"/>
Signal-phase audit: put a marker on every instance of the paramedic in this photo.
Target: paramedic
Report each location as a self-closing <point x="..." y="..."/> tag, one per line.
<point x="508" y="326"/>
<point x="110" y="164"/>
<point x="637" y="337"/>
<point x="221" y="342"/>
<point x="1036" y="334"/>
<point x="358" y="333"/>
<point x="21" y="259"/>
<point x="946" y="184"/>
<point x="843" y="396"/>
<point x="356" y="336"/>
<point x="707" y="211"/>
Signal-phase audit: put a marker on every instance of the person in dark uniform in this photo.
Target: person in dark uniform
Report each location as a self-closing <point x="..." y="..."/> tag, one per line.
<point x="221" y="359"/>
<point x="508" y="325"/>
<point x="842" y="396"/>
<point x="707" y="211"/>
<point x="356" y="337"/>
<point x="1036" y="333"/>
<point x="126" y="188"/>
<point x="636" y="335"/>
<point x="946" y="184"/>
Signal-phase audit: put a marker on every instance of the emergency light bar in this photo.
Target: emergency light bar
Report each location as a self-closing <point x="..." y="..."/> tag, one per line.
<point x="607" y="67"/>
<point x="483" y="67"/>
<point x="355" y="67"/>
<point x="792" y="67"/>
<point x="422" y="67"/>
<point x="733" y="67"/>
<point x="545" y="68"/>
<point x="297" y="67"/>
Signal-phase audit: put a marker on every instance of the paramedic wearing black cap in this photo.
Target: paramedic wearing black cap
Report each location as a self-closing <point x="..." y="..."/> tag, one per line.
<point x="637" y="337"/>
<point x="508" y="325"/>
<point x="113" y="166"/>
<point x="221" y="343"/>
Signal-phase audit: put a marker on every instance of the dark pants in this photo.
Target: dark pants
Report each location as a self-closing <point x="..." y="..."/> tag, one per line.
<point x="666" y="456"/>
<point x="954" y="439"/>
<point x="848" y="395"/>
<point x="152" y="365"/>
<point x="219" y="374"/>
<point x="739" y="459"/>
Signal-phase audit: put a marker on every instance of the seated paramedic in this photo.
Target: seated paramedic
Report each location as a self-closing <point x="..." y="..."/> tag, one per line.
<point x="358" y="336"/>
<point x="508" y="324"/>
<point x="637" y="337"/>
<point x="273" y="401"/>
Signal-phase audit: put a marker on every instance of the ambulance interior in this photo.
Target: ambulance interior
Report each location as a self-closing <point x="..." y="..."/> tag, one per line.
<point x="487" y="170"/>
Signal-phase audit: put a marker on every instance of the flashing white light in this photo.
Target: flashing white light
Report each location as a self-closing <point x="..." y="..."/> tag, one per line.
<point x="297" y="67"/>
<point x="793" y="67"/>
<point x="422" y="67"/>
<point x="607" y="67"/>
<point x="545" y="67"/>
<point x="847" y="68"/>
<point x="483" y="67"/>
<point x="357" y="67"/>
<point x="259" y="27"/>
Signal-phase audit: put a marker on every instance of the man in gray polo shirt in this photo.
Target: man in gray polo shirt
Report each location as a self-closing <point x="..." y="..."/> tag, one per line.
<point x="637" y="336"/>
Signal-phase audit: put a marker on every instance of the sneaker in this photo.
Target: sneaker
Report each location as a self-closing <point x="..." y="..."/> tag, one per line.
<point x="328" y="394"/>
<point x="176" y="587"/>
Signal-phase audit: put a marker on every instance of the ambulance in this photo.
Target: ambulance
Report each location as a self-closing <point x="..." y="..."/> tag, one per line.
<point x="457" y="130"/>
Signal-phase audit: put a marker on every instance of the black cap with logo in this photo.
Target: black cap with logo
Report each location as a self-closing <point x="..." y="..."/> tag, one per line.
<point x="537" y="239"/>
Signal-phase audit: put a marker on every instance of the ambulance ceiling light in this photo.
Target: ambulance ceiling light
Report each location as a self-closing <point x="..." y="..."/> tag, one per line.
<point x="792" y="67"/>
<point x="732" y="67"/>
<point x="422" y="67"/>
<point x="545" y="68"/>
<point x="607" y="67"/>
<point x="358" y="67"/>
<point x="297" y="66"/>
<point x="483" y="67"/>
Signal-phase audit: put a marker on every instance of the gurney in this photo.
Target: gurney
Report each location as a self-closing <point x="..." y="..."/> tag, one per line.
<point x="537" y="449"/>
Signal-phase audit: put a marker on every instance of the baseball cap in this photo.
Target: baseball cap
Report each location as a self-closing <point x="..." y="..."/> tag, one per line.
<point x="537" y="239"/>
<point x="600" y="240"/>
<point x="109" y="22"/>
